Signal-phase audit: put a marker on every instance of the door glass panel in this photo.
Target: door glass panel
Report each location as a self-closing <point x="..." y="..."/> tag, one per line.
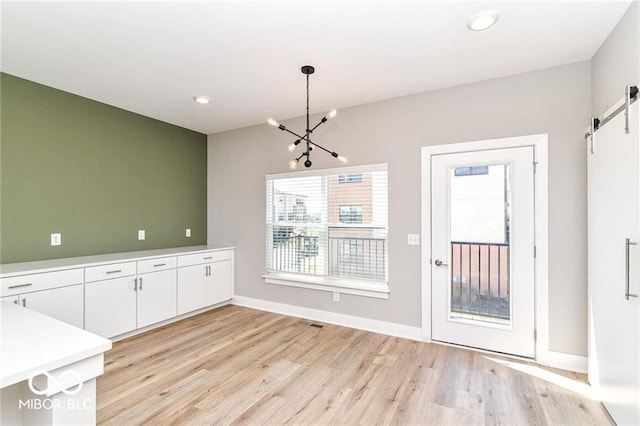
<point x="480" y="198"/>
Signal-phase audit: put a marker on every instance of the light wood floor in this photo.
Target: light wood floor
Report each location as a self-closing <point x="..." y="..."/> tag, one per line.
<point x="242" y="366"/>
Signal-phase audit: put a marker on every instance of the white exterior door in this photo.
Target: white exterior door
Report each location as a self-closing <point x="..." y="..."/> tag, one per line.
<point x="614" y="254"/>
<point x="482" y="249"/>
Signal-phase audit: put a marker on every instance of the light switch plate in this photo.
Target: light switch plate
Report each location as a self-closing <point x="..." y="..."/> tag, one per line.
<point x="56" y="239"/>
<point x="413" y="239"/>
<point x="141" y="234"/>
<point x="187" y="232"/>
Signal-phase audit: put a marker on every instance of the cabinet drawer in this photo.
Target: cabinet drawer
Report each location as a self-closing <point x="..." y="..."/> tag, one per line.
<point x="36" y="282"/>
<point x="152" y="265"/>
<point x="207" y="257"/>
<point x="107" y="272"/>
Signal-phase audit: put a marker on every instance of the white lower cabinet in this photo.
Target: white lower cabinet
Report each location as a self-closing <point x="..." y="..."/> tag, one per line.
<point x="110" y="306"/>
<point x="120" y="305"/>
<point x="192" y="288"/>
<point x="205" y="279"/>
<point x="64" y="303"/>
<point x="156" y="298"/>
<point x="111" y="299"/>
<point x="221" y="277"/>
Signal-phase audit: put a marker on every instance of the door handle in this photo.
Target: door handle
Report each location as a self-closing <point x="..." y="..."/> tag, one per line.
<point x="135" y="284"/>
<point x="627" y="243"/>
<point x="438" y="262"/>
<point x="140" y="283"/>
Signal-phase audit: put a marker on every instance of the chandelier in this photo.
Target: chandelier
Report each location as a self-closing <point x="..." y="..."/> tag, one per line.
<point x="306" y="138"/>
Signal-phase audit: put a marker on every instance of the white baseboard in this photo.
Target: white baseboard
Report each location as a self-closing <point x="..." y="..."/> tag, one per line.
<point x="563" y="361"/>
<point x="558" y="360"/>
<point x="366" y="324"/>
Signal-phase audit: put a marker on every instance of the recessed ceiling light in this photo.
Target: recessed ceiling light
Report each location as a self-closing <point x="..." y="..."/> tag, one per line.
<point x="482" y="21"/>
<point x="202" y="99"/>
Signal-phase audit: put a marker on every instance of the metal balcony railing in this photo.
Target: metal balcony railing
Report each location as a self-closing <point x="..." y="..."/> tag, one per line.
<point x="480" y="280"/>
<point x="346" y="257"/>
<point x="358" y="257"/>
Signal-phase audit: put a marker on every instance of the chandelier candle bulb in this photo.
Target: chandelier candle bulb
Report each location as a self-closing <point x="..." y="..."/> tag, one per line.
<point x="343" y="159"/>
<point x="273" y="123"/>
<point x="293" y="164"/>
<point x="292" y="147"/>
<point x="331" y="114"/>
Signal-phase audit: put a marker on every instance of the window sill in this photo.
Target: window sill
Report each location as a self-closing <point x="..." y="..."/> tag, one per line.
<point x="378" y="290"/>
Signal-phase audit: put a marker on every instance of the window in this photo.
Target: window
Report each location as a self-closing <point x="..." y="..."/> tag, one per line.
<point x="350" y="177"/>
<point x="329" y="236"/>
<point x="350" y="214"/>
<point x="471" y="171"/>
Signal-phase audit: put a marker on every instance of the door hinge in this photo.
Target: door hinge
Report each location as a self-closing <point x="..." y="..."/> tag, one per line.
<point x="535" y="167"/>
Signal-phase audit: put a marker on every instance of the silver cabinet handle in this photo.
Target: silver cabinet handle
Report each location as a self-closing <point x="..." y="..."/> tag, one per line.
<point x="24" y="302"/>
<point x="627" y="243"/>
<point x="438" y="262"/>
<point x="114" y="272"/>
<point x="140" y="283"/>
<point x="208" y="257"/>
<point x="159" y="265"/>
<point x="135" y="284"/>
<point x="20" y="285"/>
<point x="627" y="106"/>
<point x="15" y="301"/>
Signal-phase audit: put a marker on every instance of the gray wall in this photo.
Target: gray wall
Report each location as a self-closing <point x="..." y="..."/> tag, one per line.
<point x="617" y="62"/>
<point x="554" y="101"/>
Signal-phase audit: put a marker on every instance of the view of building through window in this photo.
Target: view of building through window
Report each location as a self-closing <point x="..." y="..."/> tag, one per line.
<point x="333" y="225"/>
<point x="480" y="198"/>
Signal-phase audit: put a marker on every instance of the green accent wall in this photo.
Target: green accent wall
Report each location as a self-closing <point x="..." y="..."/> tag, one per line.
<point x="94" y="173"/>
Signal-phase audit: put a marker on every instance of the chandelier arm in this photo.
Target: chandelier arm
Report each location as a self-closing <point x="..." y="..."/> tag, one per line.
<point x="318" y="125"/>
<point x="295" y="134"/>
<point x="322" y="148"/>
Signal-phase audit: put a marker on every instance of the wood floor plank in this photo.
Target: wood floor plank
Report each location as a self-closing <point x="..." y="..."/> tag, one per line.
<point x="241" y="366"/>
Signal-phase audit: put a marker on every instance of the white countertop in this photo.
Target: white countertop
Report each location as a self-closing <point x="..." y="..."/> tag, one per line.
<point x="31" y="341"/>
<point x="38" y="266"/>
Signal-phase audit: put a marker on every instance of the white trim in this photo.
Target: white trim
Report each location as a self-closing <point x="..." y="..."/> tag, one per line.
<point x="564" y="361"/>
<point x="366" y="324"/>
<point x="327" y="172"/>
<point x="379" y="290"/>
<point x="540" y="145"/>
<point x="559" y="360"/>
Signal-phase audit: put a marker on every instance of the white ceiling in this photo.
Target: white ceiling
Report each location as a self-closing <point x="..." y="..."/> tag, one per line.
<point x="152" y="57"/>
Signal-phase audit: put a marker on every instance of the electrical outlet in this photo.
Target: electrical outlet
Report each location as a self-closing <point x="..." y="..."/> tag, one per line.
<point x="187" y="232"/>
<point x="141" y="234"/>
<point x="56" y="239"/>
<point x="336" y="296"/>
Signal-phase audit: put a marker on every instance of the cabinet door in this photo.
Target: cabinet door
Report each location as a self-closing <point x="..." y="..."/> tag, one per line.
<point x="192" y="288"/>
<point x="64" y="303"/>
<point x="220" y="281"/>
<point x="156" y="297"/>
<point x="110" y="306"/>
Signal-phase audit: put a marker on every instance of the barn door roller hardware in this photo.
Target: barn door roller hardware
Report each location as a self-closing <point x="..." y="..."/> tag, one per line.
<point x="630" y="96"/>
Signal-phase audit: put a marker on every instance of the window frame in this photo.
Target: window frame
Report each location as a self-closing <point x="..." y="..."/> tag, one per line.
<point x="355" y="286"/>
